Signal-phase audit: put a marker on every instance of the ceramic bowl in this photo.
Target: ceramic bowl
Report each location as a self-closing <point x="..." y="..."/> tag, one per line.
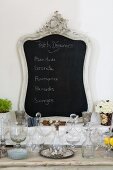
<point x="17" y="153"/>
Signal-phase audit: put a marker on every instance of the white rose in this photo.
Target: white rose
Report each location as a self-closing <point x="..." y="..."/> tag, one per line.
<point x="104" y="106"/>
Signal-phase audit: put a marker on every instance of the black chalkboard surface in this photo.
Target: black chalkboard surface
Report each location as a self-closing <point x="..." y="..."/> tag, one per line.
<point x="55" y="76"/>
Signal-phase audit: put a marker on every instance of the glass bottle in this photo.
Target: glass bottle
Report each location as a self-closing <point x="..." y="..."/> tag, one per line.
<point x="57" y="144"/>
<point x="87" y="146"/>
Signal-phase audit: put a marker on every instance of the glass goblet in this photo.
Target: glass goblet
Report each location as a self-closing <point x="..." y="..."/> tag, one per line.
<point x="72" y="137"/>
<point x="18" y="132"/>
<point x="72" y="134"/>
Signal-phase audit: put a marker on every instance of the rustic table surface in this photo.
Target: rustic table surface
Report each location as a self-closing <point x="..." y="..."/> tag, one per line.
<point x="35" y="161"/>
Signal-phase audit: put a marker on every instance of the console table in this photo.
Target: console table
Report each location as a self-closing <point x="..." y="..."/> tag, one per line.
<point x="35" y="162"/>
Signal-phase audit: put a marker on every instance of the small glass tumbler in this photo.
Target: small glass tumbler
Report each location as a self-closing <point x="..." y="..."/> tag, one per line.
<point x="86" y="117"/>
<point x="88" y="151"/>
<point x="21" y="117"/>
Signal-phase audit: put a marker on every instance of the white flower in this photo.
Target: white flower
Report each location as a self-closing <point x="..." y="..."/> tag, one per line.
<point x="104" y="107"/>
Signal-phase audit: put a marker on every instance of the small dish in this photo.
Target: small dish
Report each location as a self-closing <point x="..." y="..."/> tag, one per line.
<point x="17" y="153"/>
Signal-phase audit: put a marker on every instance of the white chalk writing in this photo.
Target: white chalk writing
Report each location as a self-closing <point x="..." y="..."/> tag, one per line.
<point x="53" y="46"/>
<point x="48" y="68"/>
<point x="38" y="59"/>
<point x="37" y="78"/>
<point x="44" y="101"/>
<point x="49" y="89"/>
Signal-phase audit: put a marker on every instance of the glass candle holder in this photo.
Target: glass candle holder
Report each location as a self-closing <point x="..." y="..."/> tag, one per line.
<point x="86" y="117"/>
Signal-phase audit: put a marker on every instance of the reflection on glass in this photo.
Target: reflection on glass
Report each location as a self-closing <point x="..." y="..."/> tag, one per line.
<point x="57" y="148"/>
<point x="18" y="132"/>
<point x="96" y="137"/>
<point x="4" y="130"/>
<point x="87" y="146"/>
<point x="86" y="117"/>
<point x="72" y="134"/>
<point x="107" y="143"/>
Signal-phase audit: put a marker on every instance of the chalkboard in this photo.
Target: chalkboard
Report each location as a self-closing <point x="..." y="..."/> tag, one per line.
<point x="55" y="76"/>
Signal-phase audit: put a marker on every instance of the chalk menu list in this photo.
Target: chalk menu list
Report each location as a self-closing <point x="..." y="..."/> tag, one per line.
<point x="55" y="76"/>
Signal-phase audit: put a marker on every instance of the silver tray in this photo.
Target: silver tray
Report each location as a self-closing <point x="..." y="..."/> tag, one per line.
<point x="48" y="154"/>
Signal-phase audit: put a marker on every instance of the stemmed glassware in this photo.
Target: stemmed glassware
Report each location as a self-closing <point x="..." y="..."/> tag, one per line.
<point x="43" y="131"/>
<point x="18" y="132"/>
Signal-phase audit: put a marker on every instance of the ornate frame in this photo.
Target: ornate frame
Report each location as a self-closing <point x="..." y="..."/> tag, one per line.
<point x="56" y="25"/>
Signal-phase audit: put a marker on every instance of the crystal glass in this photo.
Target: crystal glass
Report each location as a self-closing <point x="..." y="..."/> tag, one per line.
<point x="57" y="145"/>
<point x="107" y="143"/>
<point x="18" y="132"/>
<point x="86" y="117"/>
<point x="21" y="116"/>
<point x="72" y="134"/>
<point x="96" y="137"/>
<point x="87" y="146"/>
<point x="35" y="140"/>
<point x="73" y="119"/>
<point x="95" y="134"/>
<point x="4" y="130"/>
<point x="44" y="131"/>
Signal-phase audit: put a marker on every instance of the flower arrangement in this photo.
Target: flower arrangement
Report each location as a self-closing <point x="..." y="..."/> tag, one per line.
<point x="105" y="108"/>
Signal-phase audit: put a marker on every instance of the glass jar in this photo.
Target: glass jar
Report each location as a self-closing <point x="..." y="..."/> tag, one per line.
<point x="87" y="146"/>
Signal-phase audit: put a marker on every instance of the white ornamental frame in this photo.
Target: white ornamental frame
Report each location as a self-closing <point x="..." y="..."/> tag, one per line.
<point x="56" y="25"/>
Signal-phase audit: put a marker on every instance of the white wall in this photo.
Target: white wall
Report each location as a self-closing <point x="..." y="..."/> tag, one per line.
<point x="21" y="17"/>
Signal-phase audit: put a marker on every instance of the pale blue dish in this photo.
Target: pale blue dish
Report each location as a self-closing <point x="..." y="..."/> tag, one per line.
<point x="17" y="153"/>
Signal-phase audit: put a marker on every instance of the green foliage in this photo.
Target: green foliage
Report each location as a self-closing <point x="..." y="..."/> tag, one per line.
<point x="5" y="105"/>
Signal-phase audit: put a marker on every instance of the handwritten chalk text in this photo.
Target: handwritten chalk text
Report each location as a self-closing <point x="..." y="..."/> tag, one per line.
<point x="37" y="78"/>
<point x="44" y="101"/>
<point x="49" y="89"/>
<point x="38" y="59"/>
<point x="48" y="68"/>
